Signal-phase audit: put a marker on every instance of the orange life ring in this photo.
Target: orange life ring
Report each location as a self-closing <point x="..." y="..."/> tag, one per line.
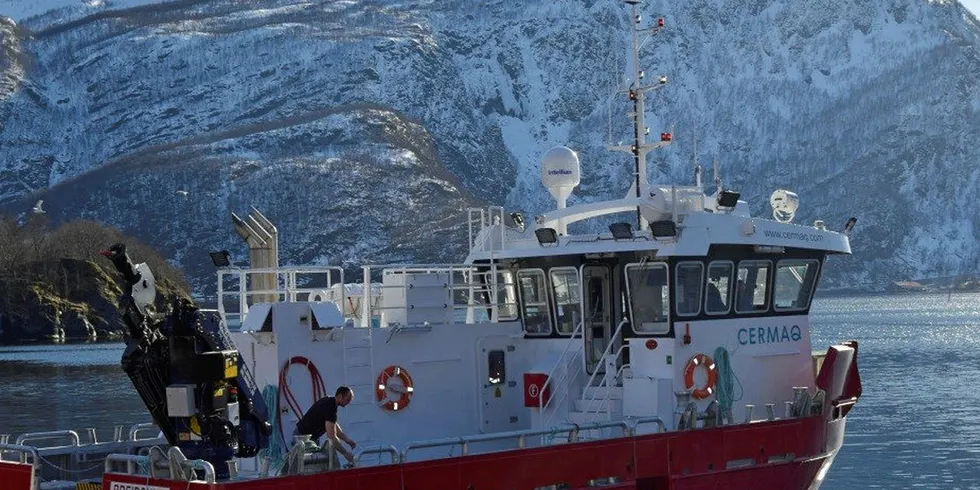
<point x="709" y="387"/>
<point x="381" y="388"/>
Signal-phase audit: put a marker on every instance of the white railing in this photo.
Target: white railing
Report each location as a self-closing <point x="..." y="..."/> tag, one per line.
<point x="608" y="382"/>
<point x="608" y="361"/>
<point x="481" y="286"/>
<point x="520" y="436"/>
<point x="458" y="277"/>
<point x="478" y="220"/>
<point x="563" y="383"/>
<point x="286" y="279"/>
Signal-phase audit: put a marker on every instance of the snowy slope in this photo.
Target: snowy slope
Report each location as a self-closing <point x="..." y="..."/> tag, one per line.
<point x="19" y="10"/>
<point x="865" y="108"/>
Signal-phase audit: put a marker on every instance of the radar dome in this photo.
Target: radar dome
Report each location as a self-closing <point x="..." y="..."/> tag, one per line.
<point x="784" y="205"/>
<point x="560" y="173"/>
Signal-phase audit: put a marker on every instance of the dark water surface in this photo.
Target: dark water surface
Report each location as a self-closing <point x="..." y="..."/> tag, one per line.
<point x="917" y="425"/>
<point x="73" y="386"/>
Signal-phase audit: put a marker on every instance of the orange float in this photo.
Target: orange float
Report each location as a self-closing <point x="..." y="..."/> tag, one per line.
<point x="692" y="365"/>
<point x="381" y="388"/>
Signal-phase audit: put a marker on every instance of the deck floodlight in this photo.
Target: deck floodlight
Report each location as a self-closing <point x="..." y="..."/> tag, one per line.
<point x="518" y="220"/>
<point x="664" y="228"/>
<point x="546" y="236"/>
<point x="621" y="231"/>
<point x="220" y="258"/>
<point x="728" y="199"/>
<point x="849" y="225"/>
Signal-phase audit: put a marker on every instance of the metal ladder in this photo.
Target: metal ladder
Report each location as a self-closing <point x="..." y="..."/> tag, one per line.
<point x="359" y="372"/>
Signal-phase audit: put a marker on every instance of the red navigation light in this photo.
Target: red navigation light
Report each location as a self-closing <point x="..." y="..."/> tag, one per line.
<point x="660" y="22"/>
<point x="651" y="344"/>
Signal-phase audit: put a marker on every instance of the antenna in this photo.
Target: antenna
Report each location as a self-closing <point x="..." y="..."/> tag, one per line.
<point x="717" y="177"/>
<point x="697" y="166"/>
<point x="635" y="92"/>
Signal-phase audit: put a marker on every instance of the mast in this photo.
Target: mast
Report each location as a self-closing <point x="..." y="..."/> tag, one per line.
<point x="635" y="92"/>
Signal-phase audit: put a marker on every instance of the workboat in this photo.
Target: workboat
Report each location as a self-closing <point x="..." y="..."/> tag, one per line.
<point x="671" y="352"/>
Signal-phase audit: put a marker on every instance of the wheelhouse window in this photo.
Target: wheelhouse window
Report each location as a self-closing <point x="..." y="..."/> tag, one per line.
<point x="506" y="296"/>
<point x="687" y="288"/>
<point x="649" y="297"/>
<point x="567" y="299"/>
<point x="750" y="288"/>
<point x="718" y="288"/>
<point x="534" y="301"/>
<point x="795" y="280"/>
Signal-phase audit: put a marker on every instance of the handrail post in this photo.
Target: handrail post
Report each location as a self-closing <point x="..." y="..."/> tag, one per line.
<point x="242" y="295"/>
<point x="366" y="306"/>
<point x="495" y="310"/>
<point x="221" y="294"/>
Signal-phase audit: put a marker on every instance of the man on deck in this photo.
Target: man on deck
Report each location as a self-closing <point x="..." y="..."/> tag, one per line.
<point x="321" y="419"/>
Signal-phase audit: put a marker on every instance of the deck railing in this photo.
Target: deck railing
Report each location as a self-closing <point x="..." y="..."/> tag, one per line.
<point x="472" y="293"/>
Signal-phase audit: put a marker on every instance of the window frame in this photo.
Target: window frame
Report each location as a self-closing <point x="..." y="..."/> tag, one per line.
<point x="554" y="298"/>
<point x="768" y="283"/>
<point x="813" y="285"/>
<point x="729" y="292"/>
<point x="701" y="287"/>
<point x="629" y="297"/>
<point x="523" y="304"/>
<point x="501" y="287"/>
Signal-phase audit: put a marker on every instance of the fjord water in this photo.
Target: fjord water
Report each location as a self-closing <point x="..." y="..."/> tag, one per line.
<point x="917" y="424"/>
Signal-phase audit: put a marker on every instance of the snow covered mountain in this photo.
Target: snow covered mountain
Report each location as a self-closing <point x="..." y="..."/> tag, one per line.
<point x="363" y="128"/>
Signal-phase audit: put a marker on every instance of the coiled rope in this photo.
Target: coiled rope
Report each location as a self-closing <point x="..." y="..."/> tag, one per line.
<point x="727" y="382"/>
<point x="276" y="450"/>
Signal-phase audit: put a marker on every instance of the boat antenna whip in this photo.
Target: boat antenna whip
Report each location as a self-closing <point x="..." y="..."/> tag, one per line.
<point x="635" y="93"/>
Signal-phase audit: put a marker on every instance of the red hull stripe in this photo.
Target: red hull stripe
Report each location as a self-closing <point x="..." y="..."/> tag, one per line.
<point x="782" y="454"/>
<point x="15" y="476"/>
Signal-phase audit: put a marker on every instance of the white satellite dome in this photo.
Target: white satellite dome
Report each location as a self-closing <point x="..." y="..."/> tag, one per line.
<point x="560" y="173"/>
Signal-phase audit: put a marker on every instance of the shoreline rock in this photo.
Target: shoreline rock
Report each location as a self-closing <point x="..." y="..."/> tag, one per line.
<point x="81" y="305"/>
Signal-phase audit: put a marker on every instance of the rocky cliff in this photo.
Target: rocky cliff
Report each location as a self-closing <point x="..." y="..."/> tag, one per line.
<point x="79" y="303"/>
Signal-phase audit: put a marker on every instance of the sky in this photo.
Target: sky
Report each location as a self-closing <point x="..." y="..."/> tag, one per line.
<point x="973" y="5"/>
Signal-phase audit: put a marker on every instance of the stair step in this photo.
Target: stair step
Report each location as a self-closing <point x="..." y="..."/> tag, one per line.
<point x="600" y="392"/>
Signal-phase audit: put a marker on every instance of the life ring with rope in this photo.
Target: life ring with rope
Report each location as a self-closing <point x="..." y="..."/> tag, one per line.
<point x="405" y="390"/>
<point x="699" y="360"/>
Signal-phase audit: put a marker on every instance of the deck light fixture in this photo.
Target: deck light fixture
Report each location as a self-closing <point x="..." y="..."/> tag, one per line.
<point x="663" y="228"/>
<point x="220" y="258"/>
<point x="518" y="220"/>
<point x="728" y="199"/>
<point x="546" y="236"/>
<point x="621" y="231"/>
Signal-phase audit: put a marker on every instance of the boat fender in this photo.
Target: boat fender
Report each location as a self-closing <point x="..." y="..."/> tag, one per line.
<point x="692" y="365"/>
<point x="381" y="388"/>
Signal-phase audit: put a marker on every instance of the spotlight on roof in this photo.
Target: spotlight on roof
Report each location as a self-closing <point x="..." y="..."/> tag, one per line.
<point x="220" y="258"/>
<point x="849" y="225"/>
<point x="728" y="199"/>
<point x="546" y="236"/>
<point x="518" y="220"/>
<point x="621" y="231"/>
<point x="664" y="228"/>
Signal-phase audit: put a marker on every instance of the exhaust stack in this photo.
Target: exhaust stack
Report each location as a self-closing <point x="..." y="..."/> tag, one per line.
<point x="262" y="238"/>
